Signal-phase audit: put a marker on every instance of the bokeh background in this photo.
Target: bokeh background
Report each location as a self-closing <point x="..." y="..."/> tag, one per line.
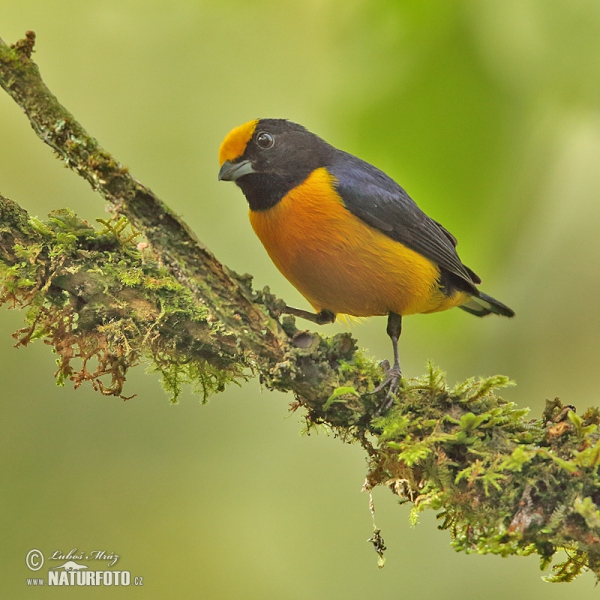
<point x="486" y="112"/>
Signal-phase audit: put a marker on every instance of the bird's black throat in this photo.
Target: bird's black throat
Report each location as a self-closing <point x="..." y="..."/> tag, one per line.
<point x="264" y="190"/>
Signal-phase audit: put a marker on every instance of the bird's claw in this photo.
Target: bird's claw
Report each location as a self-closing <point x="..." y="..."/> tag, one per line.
<point x="391" y="381"/>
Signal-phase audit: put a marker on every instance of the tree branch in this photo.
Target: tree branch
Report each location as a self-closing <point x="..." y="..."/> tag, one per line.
<point x="106" y="298"/>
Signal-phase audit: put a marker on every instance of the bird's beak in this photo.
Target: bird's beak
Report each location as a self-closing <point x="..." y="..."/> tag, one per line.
<point x="232" y="171"/>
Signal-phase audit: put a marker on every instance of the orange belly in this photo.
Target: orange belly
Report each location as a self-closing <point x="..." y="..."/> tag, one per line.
<point x="340" y="263"/>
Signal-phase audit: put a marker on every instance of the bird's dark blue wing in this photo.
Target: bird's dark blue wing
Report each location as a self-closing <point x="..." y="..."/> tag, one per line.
<point x="378" y="200"/>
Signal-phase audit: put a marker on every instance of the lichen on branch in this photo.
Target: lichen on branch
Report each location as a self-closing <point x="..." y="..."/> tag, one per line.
<point x="100" y="297"/>
<point x="140" y="287"/>
<point x="502" y="484"/>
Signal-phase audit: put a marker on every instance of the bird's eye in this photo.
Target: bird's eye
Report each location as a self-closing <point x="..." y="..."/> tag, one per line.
<point x="265" y="140"/>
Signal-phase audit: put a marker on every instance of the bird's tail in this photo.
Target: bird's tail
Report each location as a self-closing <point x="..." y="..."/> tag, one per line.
<point x="483" y="305"/>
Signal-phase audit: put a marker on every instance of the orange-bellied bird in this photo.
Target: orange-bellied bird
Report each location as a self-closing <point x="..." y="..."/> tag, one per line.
<point x="346" y="235"/>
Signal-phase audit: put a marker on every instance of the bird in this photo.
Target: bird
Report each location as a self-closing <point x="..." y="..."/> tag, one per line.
<point x="346" y="235"/>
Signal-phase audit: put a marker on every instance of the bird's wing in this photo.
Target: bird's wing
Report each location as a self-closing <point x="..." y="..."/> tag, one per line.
<point x="378" y="200"/>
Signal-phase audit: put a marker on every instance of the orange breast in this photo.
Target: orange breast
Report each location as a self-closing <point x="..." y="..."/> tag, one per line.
<point x="340" y="263"/>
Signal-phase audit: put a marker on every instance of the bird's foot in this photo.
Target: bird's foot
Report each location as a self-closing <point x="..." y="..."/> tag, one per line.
<point x="323" y="317"/>
<point x="391" y="380"/>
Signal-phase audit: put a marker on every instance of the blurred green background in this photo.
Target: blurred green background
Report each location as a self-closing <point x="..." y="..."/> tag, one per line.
<point x="486" y="112"/>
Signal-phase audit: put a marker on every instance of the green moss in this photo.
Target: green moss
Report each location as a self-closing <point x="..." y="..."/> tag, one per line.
<point x="204" y="378"/>
<point x="503" y="484"/>
<point x="113" y="317"/>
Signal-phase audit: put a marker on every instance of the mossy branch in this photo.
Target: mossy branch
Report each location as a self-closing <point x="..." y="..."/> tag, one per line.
<point x="141" y="287"/>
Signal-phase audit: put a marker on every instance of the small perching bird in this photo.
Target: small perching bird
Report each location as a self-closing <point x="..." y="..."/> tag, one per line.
<point x="346" y="235"/>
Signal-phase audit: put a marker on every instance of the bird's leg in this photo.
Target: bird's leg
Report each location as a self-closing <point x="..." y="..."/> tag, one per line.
<point x="321" y="318"/>
<point x="393" y="375"/>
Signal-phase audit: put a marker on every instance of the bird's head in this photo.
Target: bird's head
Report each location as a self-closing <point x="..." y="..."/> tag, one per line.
<point x="268" y="157"/>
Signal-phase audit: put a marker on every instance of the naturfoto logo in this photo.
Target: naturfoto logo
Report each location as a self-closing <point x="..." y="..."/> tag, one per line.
<point x="72" y="572"/>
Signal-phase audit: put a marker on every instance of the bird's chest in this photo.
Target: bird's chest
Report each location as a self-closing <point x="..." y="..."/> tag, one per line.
<point x="337" y="261"/>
